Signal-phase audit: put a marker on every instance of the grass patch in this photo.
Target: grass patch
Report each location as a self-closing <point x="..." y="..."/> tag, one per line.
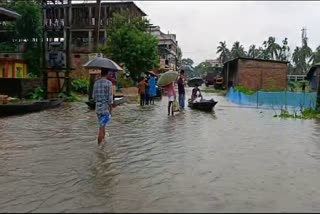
<point x="307" y="113"/>
<point x="212" y="90"/>
<point x="244" y="90"/>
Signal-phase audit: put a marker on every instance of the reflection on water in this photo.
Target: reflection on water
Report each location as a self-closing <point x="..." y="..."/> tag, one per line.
<point x="232" y="160"/>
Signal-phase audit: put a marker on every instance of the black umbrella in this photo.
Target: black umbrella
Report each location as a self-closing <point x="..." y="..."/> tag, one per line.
<point x="100" y="62"/>
<point x="195" y="81"/>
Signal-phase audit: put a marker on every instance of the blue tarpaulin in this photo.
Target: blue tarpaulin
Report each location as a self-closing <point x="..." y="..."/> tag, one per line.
<point x="274" y="99"/>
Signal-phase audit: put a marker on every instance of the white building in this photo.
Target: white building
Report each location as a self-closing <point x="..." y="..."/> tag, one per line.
<point x="168" y="45"/>
<point x="214" y="62"/>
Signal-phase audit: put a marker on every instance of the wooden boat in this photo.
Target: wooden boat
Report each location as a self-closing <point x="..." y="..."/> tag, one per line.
<point x="24" y="108"/>
<point x="117" y="101"/>
<point x="204" y="105"/>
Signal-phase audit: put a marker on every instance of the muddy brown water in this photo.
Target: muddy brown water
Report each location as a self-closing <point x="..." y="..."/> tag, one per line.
<point x="232" y="160"/>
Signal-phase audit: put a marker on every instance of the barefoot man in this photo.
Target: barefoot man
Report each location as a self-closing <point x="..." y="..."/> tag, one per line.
<point x="103" y="96"/>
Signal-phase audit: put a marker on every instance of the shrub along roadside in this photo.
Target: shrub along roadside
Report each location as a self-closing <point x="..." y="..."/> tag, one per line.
<point x="80" y="86"/>
<point x="307" y="113"/>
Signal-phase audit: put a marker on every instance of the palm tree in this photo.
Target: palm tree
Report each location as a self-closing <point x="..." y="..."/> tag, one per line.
<point x="301" y="57"/>
<point x="272" y="47"/>
<point x="263" y="53"/>
<point x="253" y="52"/>
<point x="223" y="51"/>
<point x="284" y="51"/>
<point x="237" y="50"/>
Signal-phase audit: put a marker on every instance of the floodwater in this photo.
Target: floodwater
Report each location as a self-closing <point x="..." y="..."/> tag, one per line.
<point x="233" y="160"/>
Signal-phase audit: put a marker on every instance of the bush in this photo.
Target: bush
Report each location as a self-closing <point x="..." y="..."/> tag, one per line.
<point x="36" y="94"/>
<point x="65" y="97"/>
<point x="244" y="90"/>
<point x="124" y="83"/>
<point x="80" y="85"/>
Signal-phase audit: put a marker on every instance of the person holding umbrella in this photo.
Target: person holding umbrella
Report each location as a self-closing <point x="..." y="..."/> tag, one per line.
<point x="171" y="93"/>
<point x="103" y="96"/>
<point x="102" y="93"/>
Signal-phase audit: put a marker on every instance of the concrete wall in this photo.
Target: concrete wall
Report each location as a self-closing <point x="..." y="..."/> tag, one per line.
<point x="16" y="87"/>
<point x="256" y="75"/>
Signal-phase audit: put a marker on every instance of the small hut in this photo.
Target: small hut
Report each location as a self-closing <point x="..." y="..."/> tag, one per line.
<point x="256" y="74"/>
<point x="314" y="77"/>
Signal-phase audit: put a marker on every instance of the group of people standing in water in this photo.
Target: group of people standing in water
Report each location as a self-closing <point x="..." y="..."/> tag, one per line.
<point x="147" y="89"/>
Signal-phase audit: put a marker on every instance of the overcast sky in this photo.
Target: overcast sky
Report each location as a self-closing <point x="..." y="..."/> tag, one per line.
<point x="200" y="25"/>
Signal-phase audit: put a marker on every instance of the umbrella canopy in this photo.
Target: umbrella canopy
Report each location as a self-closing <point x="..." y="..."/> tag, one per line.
<point x="100" y="62"/>
<point x="195" y="81"/>
<point x="167" y="78"/>
<point x="8" y="15"/>
<point x="152" y="73"/>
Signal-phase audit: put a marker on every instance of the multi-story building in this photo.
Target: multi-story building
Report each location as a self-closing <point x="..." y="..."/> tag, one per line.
<point x="168" y="46"/>
<point x="82" y="22"/>
<point x="214" y="62"/>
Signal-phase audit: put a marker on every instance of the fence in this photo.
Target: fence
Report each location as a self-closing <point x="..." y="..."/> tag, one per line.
<point x="285" y="99"/>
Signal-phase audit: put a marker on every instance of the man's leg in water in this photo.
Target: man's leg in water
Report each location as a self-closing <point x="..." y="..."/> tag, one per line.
<point x="101" y="135"/>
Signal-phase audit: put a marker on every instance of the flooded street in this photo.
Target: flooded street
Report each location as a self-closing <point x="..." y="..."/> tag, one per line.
<point x="233" y="160"/>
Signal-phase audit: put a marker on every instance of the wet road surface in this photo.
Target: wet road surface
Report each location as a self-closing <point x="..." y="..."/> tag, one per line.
<point x="232" y="160"/>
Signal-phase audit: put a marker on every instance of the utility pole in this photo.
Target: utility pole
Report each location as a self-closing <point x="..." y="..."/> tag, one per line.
<point x="304" y="37"/>
<point x="68" y="47"/>
<point x="44" y="50"/>
<point x="97" y="23"/>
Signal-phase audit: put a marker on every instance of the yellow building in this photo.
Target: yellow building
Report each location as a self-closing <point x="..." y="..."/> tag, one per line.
<point x="12" y="68"/>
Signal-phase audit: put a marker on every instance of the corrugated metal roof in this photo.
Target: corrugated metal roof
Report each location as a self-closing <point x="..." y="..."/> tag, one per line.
<point x="8" y="15"/>
<point x="256" y="59"/>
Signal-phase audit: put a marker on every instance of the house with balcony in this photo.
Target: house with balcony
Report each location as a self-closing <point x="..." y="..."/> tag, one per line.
<point x="82" y="23"/>
<point x="168" y="46"/>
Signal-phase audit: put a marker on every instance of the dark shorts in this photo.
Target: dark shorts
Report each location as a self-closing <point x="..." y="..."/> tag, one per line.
<point x="103" y="119"/>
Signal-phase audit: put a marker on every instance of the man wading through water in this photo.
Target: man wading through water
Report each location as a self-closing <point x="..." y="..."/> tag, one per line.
<point x="181" y="90"/>
<point x="103" y="96"/>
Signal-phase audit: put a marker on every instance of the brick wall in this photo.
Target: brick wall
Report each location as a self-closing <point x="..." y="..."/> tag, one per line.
<point x="18" y="87"/>
<point x="256" y="75"/>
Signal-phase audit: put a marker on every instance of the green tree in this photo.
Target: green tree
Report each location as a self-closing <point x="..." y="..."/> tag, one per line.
<point x="204" y="68"/>
<point x="128" y="42"/>
<point x="253" y="52"/>
<point x="187" y="61"/>
<point x="315" y="56"/>
<point x="284" y="50"/>
<point x="223" y="51"/>
<point x="301" y="58"/>
<point x="263" y="53"/>
<point x="272" y="48"/>
<point x="237" y="50"/>
<point x="29" y="25"/>
<point x="27" y="29"/>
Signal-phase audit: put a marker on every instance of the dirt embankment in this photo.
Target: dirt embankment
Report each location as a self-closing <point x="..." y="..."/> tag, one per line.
<point x="131" y="94"/>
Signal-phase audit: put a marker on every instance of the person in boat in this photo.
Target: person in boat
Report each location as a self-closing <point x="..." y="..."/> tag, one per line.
<point x="103" y="97"/>
<point x="171" y="93"/>
<point x="196" y="95"/>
